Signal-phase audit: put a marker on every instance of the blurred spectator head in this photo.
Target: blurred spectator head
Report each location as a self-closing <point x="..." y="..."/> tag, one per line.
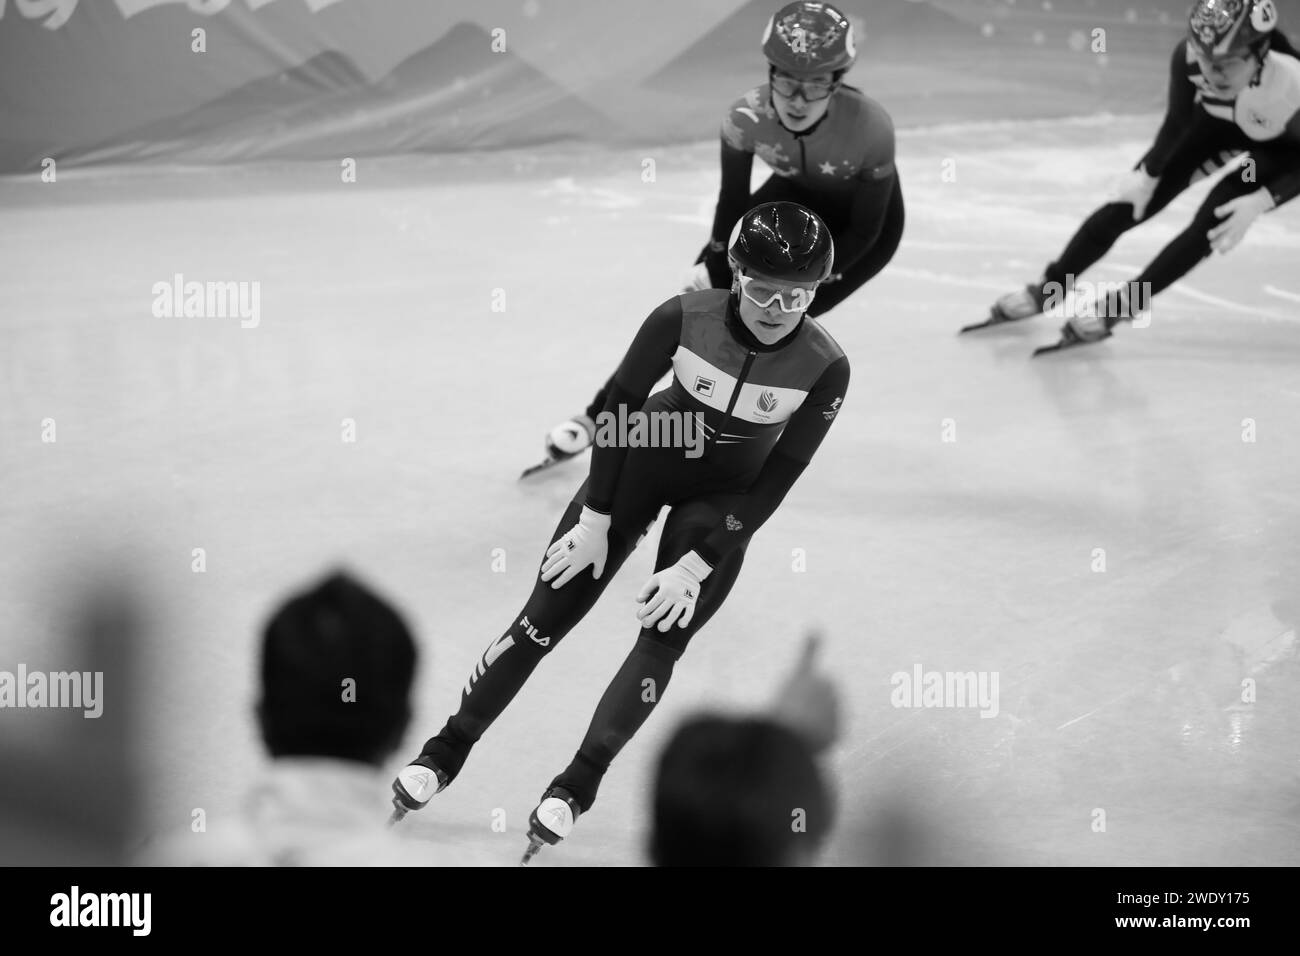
<point x="737" y="792"/>
<point x="337" y="666"/>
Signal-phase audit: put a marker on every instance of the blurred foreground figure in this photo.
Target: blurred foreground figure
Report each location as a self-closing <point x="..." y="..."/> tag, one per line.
<point x="737" y="791"/>
<point x="336" y="671"/>
<point x="747" y="791"/>
<point x="67" y="712"/>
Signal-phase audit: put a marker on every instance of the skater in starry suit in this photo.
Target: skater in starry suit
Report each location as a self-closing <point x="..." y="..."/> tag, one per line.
<point x="764" y="382"/>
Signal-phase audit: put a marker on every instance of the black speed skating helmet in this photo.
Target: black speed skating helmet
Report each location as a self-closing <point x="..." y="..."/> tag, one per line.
<point x="782" y="240"/>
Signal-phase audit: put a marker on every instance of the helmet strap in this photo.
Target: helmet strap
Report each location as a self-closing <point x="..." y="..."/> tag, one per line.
<point x="1260" y="52"/>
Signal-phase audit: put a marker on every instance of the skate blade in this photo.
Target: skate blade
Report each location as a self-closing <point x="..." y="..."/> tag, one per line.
<point x="544" y="465"/>
<point x="536" y="468"/>
<point x="1065" y="344"/>
<point x="976" y="326"/>
<point x="533" y="846"/>
<point x="992" y="320"/>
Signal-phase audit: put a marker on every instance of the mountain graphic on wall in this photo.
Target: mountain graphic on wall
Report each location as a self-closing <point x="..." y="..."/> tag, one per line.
<point x="469" y="97"/>
<point x="455" y="94"/>
<point x="219" y="128"/>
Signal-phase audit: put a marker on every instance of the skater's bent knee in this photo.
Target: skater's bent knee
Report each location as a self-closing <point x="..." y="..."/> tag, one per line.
<point x="1111" y="220"/>
<point x="667" y="647"/>
<point x="659" y="645"/>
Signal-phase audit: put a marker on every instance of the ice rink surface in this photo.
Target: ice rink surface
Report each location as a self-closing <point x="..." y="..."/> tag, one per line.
<point x="1120" y="690"/>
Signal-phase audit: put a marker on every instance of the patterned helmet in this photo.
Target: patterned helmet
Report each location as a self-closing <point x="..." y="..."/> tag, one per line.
<point x="804" y="39"/>
<point x="1220" y="28"/>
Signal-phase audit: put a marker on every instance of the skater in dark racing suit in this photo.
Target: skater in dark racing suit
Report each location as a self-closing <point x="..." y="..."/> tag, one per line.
<point x="830" y="148"/>
<point x="1234" y="88"/>
<point x="764" y="382"/>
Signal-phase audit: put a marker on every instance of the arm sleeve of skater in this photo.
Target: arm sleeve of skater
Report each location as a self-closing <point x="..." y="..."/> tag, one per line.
<point x="1286" y="186"/>
<point x="733" y="195"/>
<point x="647" y="360"/>
<point x="870" y="202"/>
<point x="793" y="451"/>
<point x="1178" y="115"/>
<point x="598" y="402"/>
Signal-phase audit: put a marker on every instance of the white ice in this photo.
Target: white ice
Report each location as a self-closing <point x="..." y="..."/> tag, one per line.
<point x="1121" y="690"/>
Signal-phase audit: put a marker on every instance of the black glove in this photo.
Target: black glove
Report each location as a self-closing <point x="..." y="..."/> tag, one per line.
<point x="719" y="266"/>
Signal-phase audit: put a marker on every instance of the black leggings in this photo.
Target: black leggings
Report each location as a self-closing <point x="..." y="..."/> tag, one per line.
<point x="1209" y="145"/>
<point x="556" y="612"/>
<point x="549" y="614"/>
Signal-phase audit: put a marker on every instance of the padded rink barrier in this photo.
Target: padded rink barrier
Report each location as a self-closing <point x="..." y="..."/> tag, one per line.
<point x="155" y="80"/>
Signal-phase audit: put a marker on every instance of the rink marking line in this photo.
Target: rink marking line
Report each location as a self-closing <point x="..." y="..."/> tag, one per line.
<point x="1102" y="706"/>
<point x="944" y="278"/>
<point x="1207" y="299"/>
<point x="947" y="246"/>
<point x="1282" y="293"/>
<point x="1192" y="293"/>
<point x="1284" y="640"/>
<point x="1226" y="304"/>
<point x="1090" y="121"/>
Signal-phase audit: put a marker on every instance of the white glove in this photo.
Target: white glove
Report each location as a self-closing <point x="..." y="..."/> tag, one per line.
<point x="1137" y="188"/>
<point x="586" y="543"/>
<point x="698" y="278"/>
<point x="1236" y="215"/>
<point x="669" y="596"/>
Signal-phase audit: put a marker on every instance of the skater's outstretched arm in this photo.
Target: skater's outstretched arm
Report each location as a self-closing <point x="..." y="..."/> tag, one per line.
<point x="789" y="457"/>
<point x="1179" y="113"/>
<point x="647" y="360"/>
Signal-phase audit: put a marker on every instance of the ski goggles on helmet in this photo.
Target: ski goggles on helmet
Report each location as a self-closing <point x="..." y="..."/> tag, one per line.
<point x="812" y="90"/>
<point x="763" y="292"/>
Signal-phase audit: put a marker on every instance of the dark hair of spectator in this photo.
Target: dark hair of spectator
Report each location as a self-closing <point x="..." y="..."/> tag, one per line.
<point x="314" y="644"/>
<point x="737" y="792"/>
